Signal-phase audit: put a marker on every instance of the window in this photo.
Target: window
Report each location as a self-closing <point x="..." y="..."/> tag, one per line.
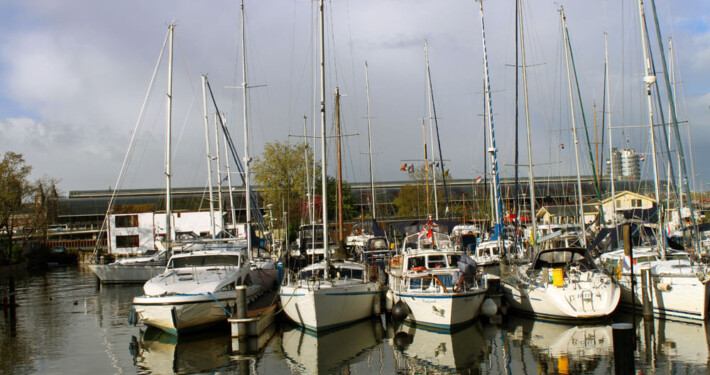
<point x="127" y="241"/>
<point x="128" y="221"/>
<point x="636" y="203"/>
<point x="415" y="262"/>
<point x="205" y="261"/>
<point x="436" y="261"/>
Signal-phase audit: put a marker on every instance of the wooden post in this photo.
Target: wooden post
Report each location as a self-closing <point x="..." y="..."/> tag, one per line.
<point x="623" y="335"/>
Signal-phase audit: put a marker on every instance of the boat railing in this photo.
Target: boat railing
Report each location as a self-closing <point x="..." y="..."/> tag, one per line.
<point x="442" y="283"/>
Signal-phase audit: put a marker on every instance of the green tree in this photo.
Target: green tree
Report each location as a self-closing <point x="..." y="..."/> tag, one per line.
<point x="349" y="203"/>
<point x="281" y="171"/>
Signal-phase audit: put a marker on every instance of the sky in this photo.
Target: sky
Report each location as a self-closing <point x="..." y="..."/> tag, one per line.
<point x="74" y="76"/>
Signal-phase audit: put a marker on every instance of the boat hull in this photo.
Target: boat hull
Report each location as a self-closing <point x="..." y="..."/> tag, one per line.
<point x="182" y="313"/>
<point x="325" y="306"/>
<point x="683" y="298"/>
<point x="126" y="274"/>
<point x="442" y="311"/>
<point x="570" y="302"/>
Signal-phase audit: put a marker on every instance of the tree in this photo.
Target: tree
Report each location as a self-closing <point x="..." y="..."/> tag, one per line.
<point x="412" y="197"/>
<point x="24" y="205"/>
<point x="281" y="171"/>
<point x="349" y="203"/>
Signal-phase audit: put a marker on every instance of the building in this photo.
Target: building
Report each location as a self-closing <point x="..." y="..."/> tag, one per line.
<point x="628" y="204"/>
<point x="625" y="164"/>
<point x="567" y="214"/>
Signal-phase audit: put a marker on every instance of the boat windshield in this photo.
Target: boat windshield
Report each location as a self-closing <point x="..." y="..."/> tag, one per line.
<point x="561" y="258"/>
<point x="205" y="261"/>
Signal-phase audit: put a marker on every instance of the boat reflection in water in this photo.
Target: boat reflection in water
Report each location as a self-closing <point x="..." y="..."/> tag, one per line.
<point x="421" y="350"/>
<point x="325" y="352"/>
<point x="681" y="346"/>
<point x="159" y="352"/>
<point x="560" y="348"/>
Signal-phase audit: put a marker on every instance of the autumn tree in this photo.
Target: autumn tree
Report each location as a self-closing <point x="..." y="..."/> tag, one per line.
<point x="412" y="198"/>
<point x="25" y="206"/>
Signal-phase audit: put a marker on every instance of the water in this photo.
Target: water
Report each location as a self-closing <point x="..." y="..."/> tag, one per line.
<point x="66" y="324"/>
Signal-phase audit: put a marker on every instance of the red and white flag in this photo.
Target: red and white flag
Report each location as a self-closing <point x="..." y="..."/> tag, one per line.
<point x="479" y="179"/>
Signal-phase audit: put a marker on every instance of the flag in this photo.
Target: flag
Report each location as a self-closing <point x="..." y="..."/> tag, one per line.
<point x="411" y="168"/>
<point x="642" y="158"/>
<point x="479" y="179"/>
<point x="446" y="173"/>
<point x="562" y="146"/>
<point x="403" y="167"/>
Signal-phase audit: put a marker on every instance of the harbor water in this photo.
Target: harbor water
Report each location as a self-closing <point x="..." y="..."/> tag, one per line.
<point x="65" y="323"/>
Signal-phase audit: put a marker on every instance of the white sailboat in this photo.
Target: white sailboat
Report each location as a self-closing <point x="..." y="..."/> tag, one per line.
<point x="679" y="288"/>
<point x="561" y="284"/>
<point x="328" y="294"/>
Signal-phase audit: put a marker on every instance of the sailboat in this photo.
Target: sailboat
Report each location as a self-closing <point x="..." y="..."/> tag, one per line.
<point x="561" y="283"/>
<point x="679" y="287"/>
<point x="329" y="293"/>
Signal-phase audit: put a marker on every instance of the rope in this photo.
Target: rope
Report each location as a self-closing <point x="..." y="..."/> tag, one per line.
<point x="220" y="305"/>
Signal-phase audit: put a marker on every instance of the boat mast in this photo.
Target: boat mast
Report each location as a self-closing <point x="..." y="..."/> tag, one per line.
<point x="649" y="80"/>
<point x="611" y="144"/>
<point x="574" y="129"/>
<point x="229" y="182"/>
<point x="339" y="191"/>
<point x="531" y="179"/>
<point x="247" y="159"/>
<point x="516" y="189"/>
<point x="168" y="146"/>
<point x="324" y="176"/>
<point x="426" y="169"/>
<point x="492" y="149"/>
<point x="207" y="151"/>
<point x="217" y="119"/>
<point x="431" y="129"/>
<point x="308" y="178"/>
<point x="369" y="142"/>
<point x="676" y="132"/>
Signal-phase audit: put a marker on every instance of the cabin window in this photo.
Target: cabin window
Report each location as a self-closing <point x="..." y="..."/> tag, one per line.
<point x="205" y="261"/>
<point x="416" y="262"/>
<point x="127" y="241"/>
<point x="350" y="273"/>
<point x="636" y="203"/>
<point x="128" y="221"/>
<point x="453" y="260"/>
<point x="436" y="261"/>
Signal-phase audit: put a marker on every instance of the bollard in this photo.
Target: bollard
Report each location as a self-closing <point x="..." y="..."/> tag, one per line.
<point x="645" y="292"/>
<point x="629" y="252"/>
<point x="624" y="343"/>
<point x="242" y="306"/>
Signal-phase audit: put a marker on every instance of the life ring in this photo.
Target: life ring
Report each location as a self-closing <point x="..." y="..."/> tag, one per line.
<point x="418" y="268"/>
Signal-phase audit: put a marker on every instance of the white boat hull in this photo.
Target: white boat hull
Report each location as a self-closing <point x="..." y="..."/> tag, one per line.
<point x="572" y="301"/>
<point x="686" y="298"/>
<point x="177" y="314"/>
<point x="328" y="304"/>
<point x="126" y="274"/>
<point x="443" y="311"/>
